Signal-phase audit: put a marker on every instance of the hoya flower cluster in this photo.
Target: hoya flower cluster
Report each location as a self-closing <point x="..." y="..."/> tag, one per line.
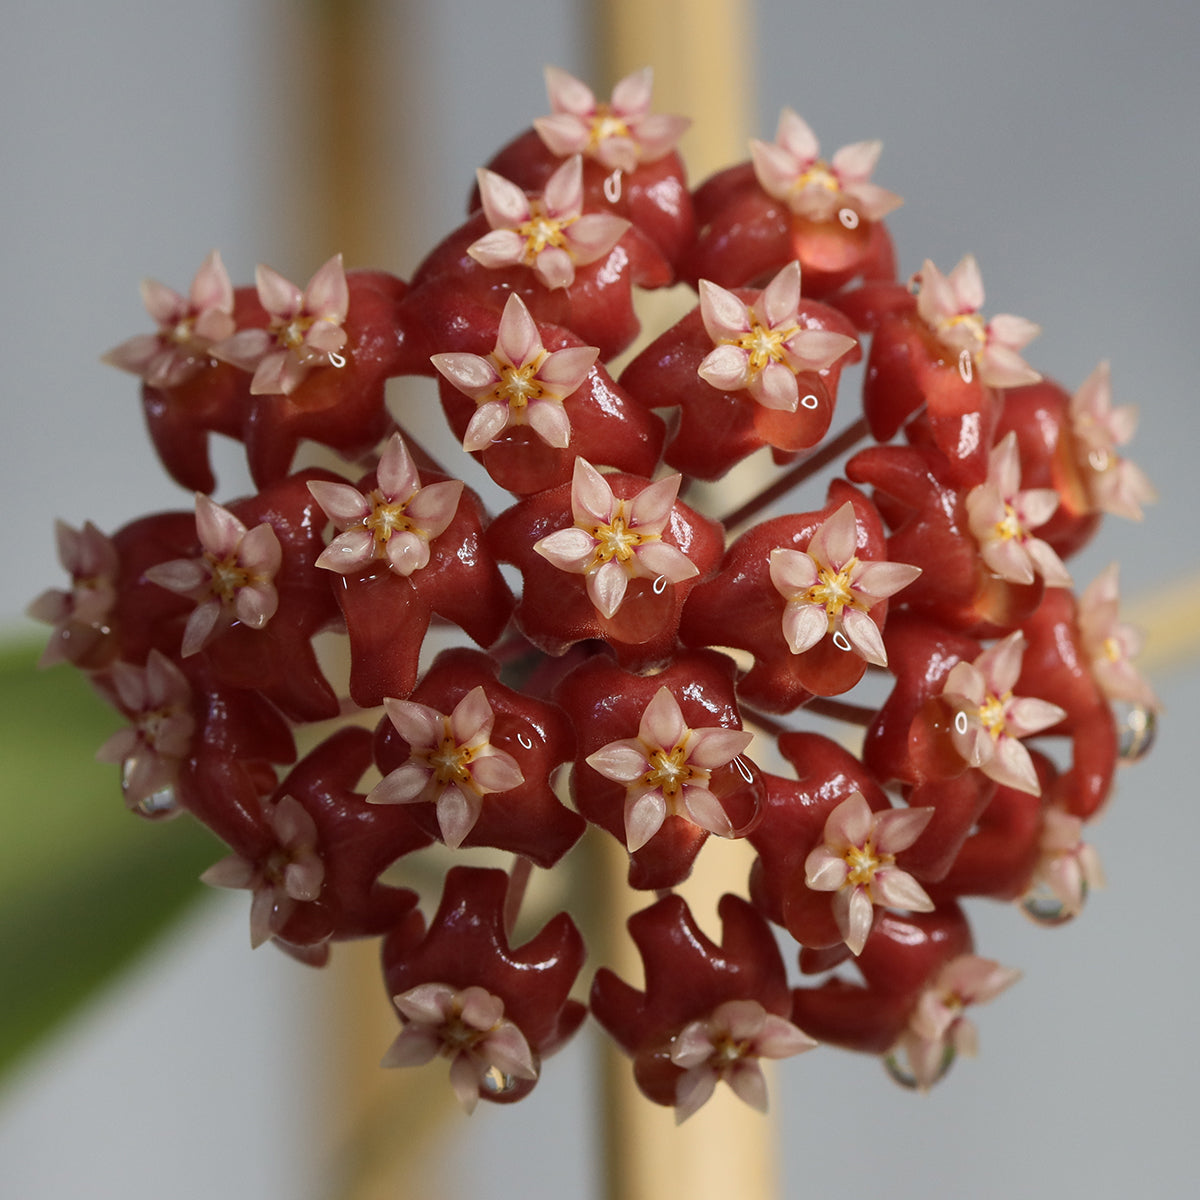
<point x="676" y="665"/>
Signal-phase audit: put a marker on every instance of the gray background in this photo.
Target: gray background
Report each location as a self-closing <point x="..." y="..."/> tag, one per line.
<point x="1057" y="141"/>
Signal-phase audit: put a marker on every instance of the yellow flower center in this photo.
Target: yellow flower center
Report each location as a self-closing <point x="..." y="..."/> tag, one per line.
<point x="818" y="175"/>
<point x="449" y="760"/>
<point x="387" y="517"/>
<point x="518" y="386"/>
<point x="182" y="331"/>
<point x="1112" y="649"/>
<point x="292" y="334"/>
<point x="763" y="345"/>
<point x="670" y="771"/>
<point x="227" y="576"/>
<point x="863" y="863"/>
<point x="616" y="541"/>
<point x="991" y="714"/>
<point x="966" y="330"/>
<point x="606" y="124"/>
<point x="1009" y="527"/>
<point x="541" y="231"/>
<point x="833" y="590"/>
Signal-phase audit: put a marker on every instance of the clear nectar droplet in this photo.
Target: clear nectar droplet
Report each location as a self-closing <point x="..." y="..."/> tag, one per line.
<point x="810" y="402"/>
<point x="842" y="642"/>
<point x="1136" y="730"/>
<point x="496" y="1083"/>
<point x="901" y="1072"/>
<point x="1043" y="907"/>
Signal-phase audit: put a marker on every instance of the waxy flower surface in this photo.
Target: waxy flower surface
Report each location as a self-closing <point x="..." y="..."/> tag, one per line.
<point x="305" y="330"/>
<point x="990" y="721"/>
<point x="762" y="347"/>
<point x="950" y="304"/>
<point x="453" y="762"/>
<point x="830" y="592"/>
<point x="519" y="383"/>
<point x="727" y="1046"/>
<point x="666" y="770"/>
<point x="790" y="169"/>
<point x="614" y="541"/>
<point x="1111" y="644"/>
<point x="232" y="580"/>
<point x="188" y="326"/>
<point x="1115" y="484"/>
<point x="394" y="523"/>
<point x="1067" y="868"/>
<point x="549" y="233"/>
<point x="857" y="861"/>
<point x="1003" y="518"/>
<point x="469" y="1028"/>
<point x="619" y="134"/>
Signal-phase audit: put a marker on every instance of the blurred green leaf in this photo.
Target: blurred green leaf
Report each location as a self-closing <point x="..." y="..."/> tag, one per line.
<point x="84" y="886"/>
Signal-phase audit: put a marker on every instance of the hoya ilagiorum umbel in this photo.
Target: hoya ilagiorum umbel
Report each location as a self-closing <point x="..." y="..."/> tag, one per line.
<point x="671" y="639"/>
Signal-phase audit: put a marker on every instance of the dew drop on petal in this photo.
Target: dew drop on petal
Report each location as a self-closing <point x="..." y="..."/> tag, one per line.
<point x="899" y="1070"/>
<point x="1043" y="907"/>
<point x="960" y="722"/>
<point x="848" y="217"/>
<point x="1136" y="729"/>
<point x="612" y="186"/>
<point x="496" y="1083"/>
<point x="841" y="641"/>
<point x="966" y="368"/>
<point x="810" y="402"/>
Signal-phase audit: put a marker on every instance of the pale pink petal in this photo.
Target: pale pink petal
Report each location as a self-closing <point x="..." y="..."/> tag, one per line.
<point x="500" y="248"/>
<point x="487" y="423"/>
<point x="876" y="580"/>
<point x="1011" y="331"/>
<point x="594" y="235"/>
<point x="434" y="507"/>
<point x="795" y="135"/>
<point x="723" y="314"/>
<point x="1001" y="663"/>
<point x="414" y="1046"/>
<point x="401" y="786"/>
<point x="497" y="772"/>
<point x="504" y="204"/>
<point x="1012" y="767"/>
<point x="472" y="375"/>
<point x="568" y="94"/>
<point x="746" y="1079"/>
<point x="464" y="1079"/>
<point x="507" y="1050"/>
<point x="245" y="350"/>
<point x="260" y="552"/>
<point x="863" y="634"/>
<point x="457" y="813"/>
<point x="854" y="163"/>
<point x="342" y="504"/>
<point x="662" y="722"/>
<point x="792" y="571"/>
<point x="472" y="719"/>
<point x="727" y="368"/>
<point x="517" y="340"/>
<point x="562" y="134"/>
<point x="592" y="498"/>
<point x="406" y="553"/>
<point x="554" y="268"/>
<point x="715" y="746"/>
<point x="418" y="724"/>
<point x="328" y="294"/>
<point x="1002" y="367"/>
<point x="569" y="549"/>
<point x="659" y="133"/>
<point x="661" y="560"/>
<point x="781" y="297"/>
<point x="935" y="299"/>
<point x="855" y="915"/>
<point x="265" y="916"/>
<point x="775" y="169"/>
<point x="651" y="507"/>
<point x="816" y="349"/>
<point x="849" y="824"/>
<point x="825" y="871"/>
<point x="181" y="575"/>
<point x="624" y="761"/>
<point x="550" y="423"/>
<point x="967" y="284"/>
<point x="397" y="473"/>
<point x="705" y="810"/>
<point x="256" y="604"/>
<point x="1026" y="715"/>
<point x="199" y="628"/>
<point x="644" y="817"/>
<point x="279" y="296"/>
<point x="303" y="879"/>
<point x="134" y="354"/>
<point x="1049" y="566"/>
<point x="348" y="552"/>
<point x="897" y="828"/>
<point x="565" y="370"/>
<point x="606" y="588"/>
<point x="693" y="1090"/>
<point x="804" y="625"/>
<point x="776" y="388"/>
<point x="898" y="889"/>
<point x="836" y="539"/>
<point x="563" y="195"/>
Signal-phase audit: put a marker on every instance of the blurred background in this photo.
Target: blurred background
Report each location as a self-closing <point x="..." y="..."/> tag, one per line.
<point x="1058" y="143"/>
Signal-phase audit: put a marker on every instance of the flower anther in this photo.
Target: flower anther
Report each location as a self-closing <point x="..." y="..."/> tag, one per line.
<point x="949" y="305"/>
<point x="188" y="326"/>
<point x="762" y="347"/>
<point x="727" y="1046"/>
<point x="791" y="169"/>
<point x="1002" y="519"/>
<point x="469" y="1028"/>
<point x="394" y="523"/>
<point x="305" y="330"/>
<point x="829" y="590"/>
<point x="989" y="720"/>
<point x="614" y="541"/>
<point x="452" y="762"/>
<point x="232" y="580"/>
<point x="666" y="770"/>
<point x="519" y="383"/>
<point x="857" y="861"/>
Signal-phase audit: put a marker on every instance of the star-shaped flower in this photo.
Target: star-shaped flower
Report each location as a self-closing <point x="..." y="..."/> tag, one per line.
<point x="520" y="382"/>
<point x="614" y="541"/>
<point x="727" y="1046"/>
<point x="157" y="698"/>
<point x="1067" y="868"/>
<point x="1110" y="644"/>
<point x="469" y="1028"/>
<point x="452" y="762"/>
<point x="394" y="524"/>
<point x="305" y="330"/>
<point x="857" y="860"/>
<point x="989" y="720"/>
<point x="762" y="347"/>
<point x="619" y="134"/>
<point x="949" y="305"/>
<point x="549" y="233"/>
<point x="790" y="169"/>
<point x="937" y="1030"/>
<point x="1002" y="518"/>
<point x="1115" y="485"/>
<point x="291" y="873"/>
<point x="187" y="328"/>
<point x="829" y="591"/>
<point x="666" y="770"/>
<point x="232" y="580"/>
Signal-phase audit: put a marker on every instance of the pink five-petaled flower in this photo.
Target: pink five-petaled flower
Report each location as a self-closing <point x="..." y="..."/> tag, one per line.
<point x="291" y="873"/>
<point x="762" y="347"/>
<point x="469" y="1028"/>
<point x="1002" y="518"/>
<point x="727" y="1045"/>
<point x="829" y="591"/>
<point x="1111" y="645"/>
<point x="549" y="233"/>
<point x="619" y="134"/>
<point x="949" y="305"/>
<point x="790" y="169"/>
<point x="1068" y="868"/>
<point x="187" y="328"/>
<point x="232" y="580"/>
<point x="1115" y="485"/>
<point x="989" y="720"/>
<point x="305" y="330"/>
<point x="857" y="860"/>
<point x="452" y="762"/>
<point x="614" y="541"/>
<point x="394" y="524"/>
<point x="519" y="383"/>
<point x="666" y="770"/>
<point x="937" y="1030"/>
<point x="158" y="701"/>
<point x="90" y="558"/>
